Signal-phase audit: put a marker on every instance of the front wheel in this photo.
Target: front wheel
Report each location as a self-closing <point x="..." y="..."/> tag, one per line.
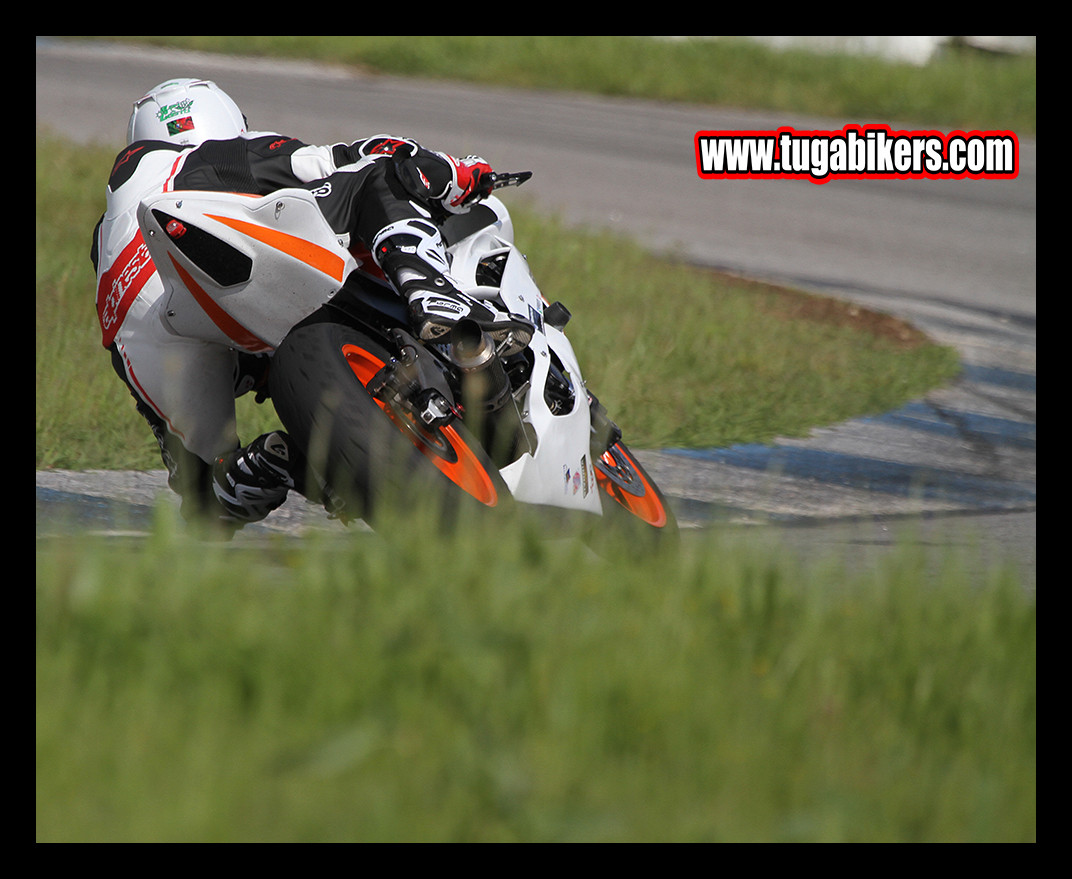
<point x="628" y="488"/>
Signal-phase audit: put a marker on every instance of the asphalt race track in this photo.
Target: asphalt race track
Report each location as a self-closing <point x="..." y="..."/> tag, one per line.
<point x="956" y="258"/>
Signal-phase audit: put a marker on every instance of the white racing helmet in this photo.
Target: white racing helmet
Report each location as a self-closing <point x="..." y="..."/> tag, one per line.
<point x="185" y="111"/>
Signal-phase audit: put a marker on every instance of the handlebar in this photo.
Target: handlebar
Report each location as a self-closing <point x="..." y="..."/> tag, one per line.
<point x="509" y="178"/>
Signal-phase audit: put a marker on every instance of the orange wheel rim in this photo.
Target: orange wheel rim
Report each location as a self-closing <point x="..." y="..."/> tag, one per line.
<point x="646" y="505"/>
<point x="464" y="469"/>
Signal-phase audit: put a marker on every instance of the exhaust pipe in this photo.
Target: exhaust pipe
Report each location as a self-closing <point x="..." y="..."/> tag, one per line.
<point x="484" y="382"/>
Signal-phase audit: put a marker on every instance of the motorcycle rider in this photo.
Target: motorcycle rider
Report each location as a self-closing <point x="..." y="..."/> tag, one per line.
<point x="382" y="192"/>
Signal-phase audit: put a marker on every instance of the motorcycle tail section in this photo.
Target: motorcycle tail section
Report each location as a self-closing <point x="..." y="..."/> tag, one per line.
<point x="239" y="270"/>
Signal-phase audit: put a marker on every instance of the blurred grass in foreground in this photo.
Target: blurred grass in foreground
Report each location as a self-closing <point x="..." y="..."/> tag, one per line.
<point x="510" y="688"/>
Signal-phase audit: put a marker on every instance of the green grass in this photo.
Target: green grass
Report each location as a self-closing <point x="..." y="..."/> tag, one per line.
<point x="685" y="357"/>
<point x="960" y="88"/>
<point x="390" y="689"/>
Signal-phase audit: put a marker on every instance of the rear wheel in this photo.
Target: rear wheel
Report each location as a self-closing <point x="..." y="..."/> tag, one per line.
<point x="368" y="453"/>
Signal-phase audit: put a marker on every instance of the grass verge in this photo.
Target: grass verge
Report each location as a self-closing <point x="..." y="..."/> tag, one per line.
<point x="510" y="689"/>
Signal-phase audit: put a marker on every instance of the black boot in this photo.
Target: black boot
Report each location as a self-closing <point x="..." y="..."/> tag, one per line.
<point x="252" y="481"/>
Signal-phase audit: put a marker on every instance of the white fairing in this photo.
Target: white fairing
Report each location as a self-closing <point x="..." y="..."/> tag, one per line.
<point x="299" y="264"/>
<point x="560" y="471"/>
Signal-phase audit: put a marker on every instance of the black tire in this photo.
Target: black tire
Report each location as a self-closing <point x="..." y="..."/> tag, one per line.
<point x="370" y="458"/>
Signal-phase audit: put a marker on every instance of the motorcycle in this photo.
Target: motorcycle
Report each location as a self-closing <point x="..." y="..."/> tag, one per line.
<point x="356" y="391"/>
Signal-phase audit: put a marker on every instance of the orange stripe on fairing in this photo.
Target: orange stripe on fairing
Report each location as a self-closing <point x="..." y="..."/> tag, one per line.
<point x="242" y="337"/>
<point x="311" y="254"/>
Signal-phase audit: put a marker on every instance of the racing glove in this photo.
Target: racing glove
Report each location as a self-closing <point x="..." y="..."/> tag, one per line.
<point x="441" y="180"/>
